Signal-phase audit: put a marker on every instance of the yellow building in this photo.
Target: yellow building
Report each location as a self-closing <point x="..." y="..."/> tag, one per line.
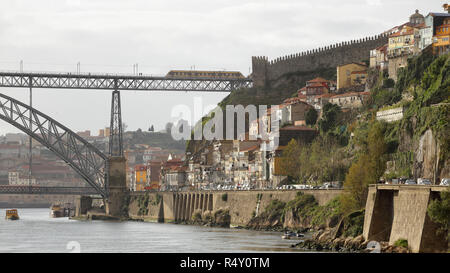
<point x="140" y="177"/>
<point x="351" y="74"/>
<point x="441" y="41"/>
<point x="402" y="42"/>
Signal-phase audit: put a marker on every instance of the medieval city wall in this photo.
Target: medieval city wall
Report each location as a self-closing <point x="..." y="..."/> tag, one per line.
<point x="265" y="71"/>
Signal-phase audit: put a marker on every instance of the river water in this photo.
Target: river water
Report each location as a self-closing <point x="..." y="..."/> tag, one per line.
<point x="37" y="232"/>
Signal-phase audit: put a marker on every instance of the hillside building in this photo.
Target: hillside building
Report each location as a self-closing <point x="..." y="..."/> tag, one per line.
<point x="140" y="177"/>
<point x="378" y="58"/>
<point x="351" y="74"/>
<point x="441" y="40"/>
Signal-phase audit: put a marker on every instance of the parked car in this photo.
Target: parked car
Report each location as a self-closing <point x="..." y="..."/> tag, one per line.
<point x="445" y="182"/>
<point x="410" y="182"/>
<point x="423" y="181"/>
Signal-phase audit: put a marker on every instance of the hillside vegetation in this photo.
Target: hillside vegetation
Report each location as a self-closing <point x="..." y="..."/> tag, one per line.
<point x="360" y="150"/>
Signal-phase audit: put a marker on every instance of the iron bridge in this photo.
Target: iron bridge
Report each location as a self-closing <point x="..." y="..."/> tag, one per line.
<point x="47" y="190"/>
<point x="89" y="162"/>
<point x="120" y="82"/>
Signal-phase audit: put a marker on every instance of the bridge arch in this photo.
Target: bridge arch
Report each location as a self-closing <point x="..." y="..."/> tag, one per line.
<point x="88" y="161"/>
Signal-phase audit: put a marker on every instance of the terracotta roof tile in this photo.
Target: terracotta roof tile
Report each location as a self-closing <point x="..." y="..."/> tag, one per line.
<point x="318" y="79"/>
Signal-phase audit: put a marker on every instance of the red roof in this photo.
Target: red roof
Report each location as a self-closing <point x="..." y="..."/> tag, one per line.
<point x="349" y="94"/>
<point x="402" y="34"/>
<point x="318" y="80"/>
<point x="324" y="96"/>
<point x="291" y="101"/>
<point x="252" y="148"/>
<point x="140" y="168"/>
<point x="317" y="84"/>
<point x="359" y="72"/>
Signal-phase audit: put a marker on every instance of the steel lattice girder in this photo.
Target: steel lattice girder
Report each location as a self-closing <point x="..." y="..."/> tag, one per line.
<point x="115" y="82"/>
<point x="83" y="157"/>
<point x="115" y="136"/>
<point x="47" y="190"/>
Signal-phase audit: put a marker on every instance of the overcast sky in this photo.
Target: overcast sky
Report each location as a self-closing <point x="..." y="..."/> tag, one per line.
<point x="160" y="35"/>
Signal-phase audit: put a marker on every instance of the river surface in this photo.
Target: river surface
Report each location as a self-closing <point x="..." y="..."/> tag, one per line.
<point x="37" y="232"/>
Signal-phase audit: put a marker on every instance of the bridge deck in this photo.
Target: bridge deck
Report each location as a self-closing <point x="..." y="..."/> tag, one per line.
<point x="47" y="190"/>
<point x="120" y="82"/>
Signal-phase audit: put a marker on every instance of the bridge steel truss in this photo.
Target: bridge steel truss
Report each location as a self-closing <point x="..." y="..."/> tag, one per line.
<point x="83" y="157"/>
<point x="118" y="82"/>
<point x="47" y="190"/>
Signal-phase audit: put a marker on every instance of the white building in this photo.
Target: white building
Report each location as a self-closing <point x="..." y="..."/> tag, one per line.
<point x="426" y="36"/>
<point x="390" y="115"/>
<point x="16" y="179"/>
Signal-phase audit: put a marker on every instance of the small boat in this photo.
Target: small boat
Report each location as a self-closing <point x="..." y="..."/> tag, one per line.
<point x="56" y="211"/>
<point x="60" y="210"/>
<point x="288" y="234"/>
<point x="12" y="214"/>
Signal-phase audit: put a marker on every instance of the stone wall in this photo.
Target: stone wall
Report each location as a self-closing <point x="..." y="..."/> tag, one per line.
<point x="265" y="71"/>
<point x="117" y="186"/>
<point x="180" y="206"/>
<point x="394" y="65"/>
<point x="400" y="212"/>
<point x="153" y="207"/>
<point x="390" y="115"/>
<point x="427" y="154"/>
<point x="242" y="205"/>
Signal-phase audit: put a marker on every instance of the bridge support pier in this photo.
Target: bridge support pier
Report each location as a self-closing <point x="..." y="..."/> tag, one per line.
<point x="400" y="212"/>
<point x="83" y="205"/>
<point x="116" y="203"/>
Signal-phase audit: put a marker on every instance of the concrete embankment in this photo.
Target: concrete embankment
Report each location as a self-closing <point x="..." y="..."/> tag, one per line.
<point x="392" y="212"/>
<point x="241" y="205"/>
<point x="395" y="212"/>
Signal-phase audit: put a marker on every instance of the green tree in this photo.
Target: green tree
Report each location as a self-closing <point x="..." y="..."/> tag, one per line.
<point x="355" y="185"/>
<point x="439" y="212"/>
<point x="329" y="117"/>
<point x="377" y="148"/>
<point x="367" y="169"/>
<point x="290" y="160"/>
<point x="311" y="117"/>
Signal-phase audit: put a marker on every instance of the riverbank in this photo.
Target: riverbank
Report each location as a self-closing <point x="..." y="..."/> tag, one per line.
<point x="297" y="211"/>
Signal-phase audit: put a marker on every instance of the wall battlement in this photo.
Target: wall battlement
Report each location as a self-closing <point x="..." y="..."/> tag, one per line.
<point x="265" y="71"/>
